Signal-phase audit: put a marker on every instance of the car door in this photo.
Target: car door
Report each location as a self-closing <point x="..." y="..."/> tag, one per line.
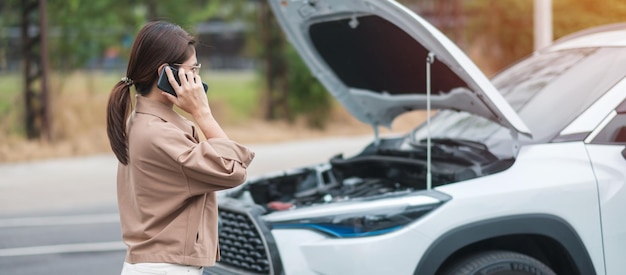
<point x="607" y="152"/>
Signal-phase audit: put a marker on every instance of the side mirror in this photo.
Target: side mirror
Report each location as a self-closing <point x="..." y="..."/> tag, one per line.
<point x="624" y="153"/>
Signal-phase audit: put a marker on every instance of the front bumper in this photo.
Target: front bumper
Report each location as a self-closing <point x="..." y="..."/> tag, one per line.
<point x="301" y="251"/>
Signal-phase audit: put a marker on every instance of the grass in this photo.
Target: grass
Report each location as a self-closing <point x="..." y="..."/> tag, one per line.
<point x="10" y="98"/>
<point x="9" y="90"/>
<point x="237" y="91"/>
<point x="78" y="103"/>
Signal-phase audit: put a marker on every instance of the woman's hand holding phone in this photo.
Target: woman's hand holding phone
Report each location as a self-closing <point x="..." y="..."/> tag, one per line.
<point x="164" y="84"/>
<point x="192" y="99"/>
<point x="188" y="91"/>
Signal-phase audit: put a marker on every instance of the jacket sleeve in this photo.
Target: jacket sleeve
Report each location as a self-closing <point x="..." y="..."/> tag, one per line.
<point x="209" y="165"/>
<point x="215" y="164"/>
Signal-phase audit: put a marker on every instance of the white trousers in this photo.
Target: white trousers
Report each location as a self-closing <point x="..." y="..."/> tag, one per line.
<point x="160" y="269"/>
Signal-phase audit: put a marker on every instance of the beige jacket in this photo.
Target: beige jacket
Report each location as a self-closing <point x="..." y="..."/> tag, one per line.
<point x="166" y="194"/>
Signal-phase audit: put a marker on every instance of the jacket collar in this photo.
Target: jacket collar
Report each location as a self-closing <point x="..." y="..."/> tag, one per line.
<point x="150" y="106"/>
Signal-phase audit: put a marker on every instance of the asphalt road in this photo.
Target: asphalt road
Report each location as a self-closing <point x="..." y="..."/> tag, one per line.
<point x="60" y="216"/>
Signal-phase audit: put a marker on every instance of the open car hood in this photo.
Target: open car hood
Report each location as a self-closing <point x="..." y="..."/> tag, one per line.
<point x="372" y="56"/>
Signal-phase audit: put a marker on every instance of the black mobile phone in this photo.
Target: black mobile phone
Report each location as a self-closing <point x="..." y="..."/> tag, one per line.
<point x="164" y="84"/>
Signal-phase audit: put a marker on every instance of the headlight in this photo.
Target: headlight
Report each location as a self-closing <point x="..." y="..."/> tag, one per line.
<point x="360" y="218"/>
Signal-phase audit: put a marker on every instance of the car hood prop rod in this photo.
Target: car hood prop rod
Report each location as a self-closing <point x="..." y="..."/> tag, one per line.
<point x="429" y="61"/>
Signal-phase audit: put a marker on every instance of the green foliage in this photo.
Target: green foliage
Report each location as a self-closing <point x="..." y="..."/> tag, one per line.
<point x="238" y="90"/>
<point x="247" y="12"/>
<point x="80" y="31"/>
<point x="8" y="16"/>
<point x="306" y="95"/>
<point x="9" y="93"/>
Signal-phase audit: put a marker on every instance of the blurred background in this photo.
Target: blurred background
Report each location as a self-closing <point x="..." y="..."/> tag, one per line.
<point x="60" y="58"/>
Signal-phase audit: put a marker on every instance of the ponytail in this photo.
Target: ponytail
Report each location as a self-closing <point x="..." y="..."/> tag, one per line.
<point x="118" y="110"/>
<point x="157" y="43"/>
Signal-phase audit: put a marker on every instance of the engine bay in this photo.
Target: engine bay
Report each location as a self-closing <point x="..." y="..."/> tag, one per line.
<point x="377" y="171"/>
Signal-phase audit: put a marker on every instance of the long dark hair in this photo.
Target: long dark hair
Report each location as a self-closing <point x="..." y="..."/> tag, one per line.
<point x="158" y="42"/>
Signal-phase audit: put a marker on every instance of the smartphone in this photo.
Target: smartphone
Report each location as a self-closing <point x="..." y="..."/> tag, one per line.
<point x="164" y="84"/>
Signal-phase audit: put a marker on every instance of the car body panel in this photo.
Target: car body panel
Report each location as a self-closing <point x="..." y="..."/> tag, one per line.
<point x="547" y="231"/>
<point x="473" y="201"/>
<point x="377" y="103"/>
<point x="289" y="242"/>
<point x="517" y="192"/>
<point x="579" y="36"/>
<point x="612" y="192"/>
<point x="614" y="37"/>
<point x="567" y="181"/>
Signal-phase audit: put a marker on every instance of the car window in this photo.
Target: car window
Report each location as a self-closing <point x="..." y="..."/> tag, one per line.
<point x="522" y="82"/>
<point x="547" y="91"/>
<point x="550" y="90"/>
<point x="615" y="131"/>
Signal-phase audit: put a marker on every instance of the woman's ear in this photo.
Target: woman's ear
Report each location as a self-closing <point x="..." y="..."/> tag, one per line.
<point x="161" y="68"/>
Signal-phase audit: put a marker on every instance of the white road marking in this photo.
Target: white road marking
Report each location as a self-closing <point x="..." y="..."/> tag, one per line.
<point x="62" y="248"/>
<point x="59" y="220"/>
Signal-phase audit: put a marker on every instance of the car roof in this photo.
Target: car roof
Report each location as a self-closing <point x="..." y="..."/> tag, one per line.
<point x="612" y="35"/>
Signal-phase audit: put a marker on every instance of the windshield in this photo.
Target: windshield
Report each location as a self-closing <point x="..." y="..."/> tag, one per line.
<point x="547" y="90"/>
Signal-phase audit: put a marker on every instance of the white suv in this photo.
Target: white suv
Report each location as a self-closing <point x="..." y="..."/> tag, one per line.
<point x="523" y="173"/>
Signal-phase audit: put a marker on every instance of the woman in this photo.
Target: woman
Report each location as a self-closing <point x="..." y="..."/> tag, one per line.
<point x="167" y="176"/>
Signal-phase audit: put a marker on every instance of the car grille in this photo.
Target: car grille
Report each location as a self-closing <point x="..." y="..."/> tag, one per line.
<point x="245" y="242"/>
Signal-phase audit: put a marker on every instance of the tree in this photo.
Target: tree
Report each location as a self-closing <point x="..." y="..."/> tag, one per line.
<point x="84" y="29"/>
<point x="88" y="31"/>
<point x="290" y="90"/>
<point x="78" y="31"/>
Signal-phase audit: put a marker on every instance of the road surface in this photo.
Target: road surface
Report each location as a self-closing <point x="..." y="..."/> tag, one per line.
<point x="60" y="217"/>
